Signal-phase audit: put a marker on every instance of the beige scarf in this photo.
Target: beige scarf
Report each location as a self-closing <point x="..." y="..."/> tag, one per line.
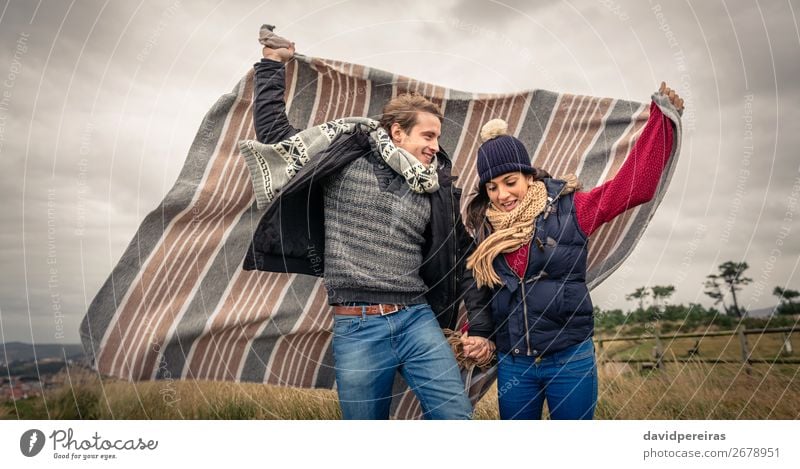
<point x="511" y="230"/>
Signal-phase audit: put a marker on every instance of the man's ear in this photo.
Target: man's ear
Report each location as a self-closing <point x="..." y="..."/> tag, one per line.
<point x="397" y="133"/>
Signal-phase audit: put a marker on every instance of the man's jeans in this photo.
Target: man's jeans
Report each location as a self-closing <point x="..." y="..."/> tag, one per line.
<point x="567" y="379"/>
<point x="369" y="350"/>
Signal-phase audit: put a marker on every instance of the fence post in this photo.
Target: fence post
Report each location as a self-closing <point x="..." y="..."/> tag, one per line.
<point x="600" y="353"/>
<point x="745" y="348"/>
<point x="659" y="347"/>
<point x="787" y="343"/>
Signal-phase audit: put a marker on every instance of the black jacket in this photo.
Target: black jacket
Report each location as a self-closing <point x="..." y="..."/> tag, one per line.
<point x="291" y="234"/>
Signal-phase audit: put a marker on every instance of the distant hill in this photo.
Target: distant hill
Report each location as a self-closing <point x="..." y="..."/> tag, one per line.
<point x="20" y="351"/>
<point x="762" y="312"/>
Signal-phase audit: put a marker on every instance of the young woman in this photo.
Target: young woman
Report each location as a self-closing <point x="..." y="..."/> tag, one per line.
<point x="532" y="233"/>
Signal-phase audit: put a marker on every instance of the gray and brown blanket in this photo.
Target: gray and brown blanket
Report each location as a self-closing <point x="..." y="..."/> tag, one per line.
<point x="178" y="304"/>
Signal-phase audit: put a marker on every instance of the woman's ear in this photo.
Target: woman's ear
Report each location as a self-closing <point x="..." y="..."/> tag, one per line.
<point x="529" y="177"/>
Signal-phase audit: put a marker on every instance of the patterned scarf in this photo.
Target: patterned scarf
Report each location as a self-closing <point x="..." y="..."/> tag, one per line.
<point x="511" y="230"/>
<point x="273" y="166"/>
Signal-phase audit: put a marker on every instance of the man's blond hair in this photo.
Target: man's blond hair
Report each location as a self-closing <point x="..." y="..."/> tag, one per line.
<point x="403" y="110"/>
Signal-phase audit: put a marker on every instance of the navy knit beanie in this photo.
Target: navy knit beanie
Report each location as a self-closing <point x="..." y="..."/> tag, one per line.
<point x="500" y="153"/>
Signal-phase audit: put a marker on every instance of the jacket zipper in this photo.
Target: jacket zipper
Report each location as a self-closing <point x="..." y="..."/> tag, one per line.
<point x="455" y="249"/>
<point x="524" y="301"/>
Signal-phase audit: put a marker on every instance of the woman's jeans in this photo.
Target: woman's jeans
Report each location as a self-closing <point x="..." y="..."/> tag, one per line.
<point x="369" y="350"/>
<point x="567" y="379"/>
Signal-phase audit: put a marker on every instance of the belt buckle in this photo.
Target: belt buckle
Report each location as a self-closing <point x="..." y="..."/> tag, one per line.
<point x="386" y="313"/>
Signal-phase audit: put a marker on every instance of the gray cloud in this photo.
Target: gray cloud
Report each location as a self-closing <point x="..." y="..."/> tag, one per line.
<point x="102" y="113"/>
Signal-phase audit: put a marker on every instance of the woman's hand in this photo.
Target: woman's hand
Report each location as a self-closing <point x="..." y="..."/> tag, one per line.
<point x="479" y="349"/>
<point x="676" y="100"/>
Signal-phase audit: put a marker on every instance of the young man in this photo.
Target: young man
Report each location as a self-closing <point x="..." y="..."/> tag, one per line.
<point x="392" y="254"/>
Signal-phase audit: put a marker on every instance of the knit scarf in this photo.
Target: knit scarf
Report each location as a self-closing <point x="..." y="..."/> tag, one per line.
<point x="272" y="166"/>
<point x="511" y="230"/>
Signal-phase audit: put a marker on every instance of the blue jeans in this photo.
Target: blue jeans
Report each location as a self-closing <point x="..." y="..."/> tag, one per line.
<point x="566" y="379"/>
<point x="369" y="350"/>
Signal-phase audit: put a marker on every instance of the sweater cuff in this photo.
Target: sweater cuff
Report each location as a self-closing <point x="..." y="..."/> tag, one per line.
<point x="666" y="108"/>
<point x="268" y="64"/>
<point x="485" y="334"/>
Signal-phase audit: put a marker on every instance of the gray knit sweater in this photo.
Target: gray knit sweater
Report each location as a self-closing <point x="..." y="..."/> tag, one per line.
<point x="374" y="232"/>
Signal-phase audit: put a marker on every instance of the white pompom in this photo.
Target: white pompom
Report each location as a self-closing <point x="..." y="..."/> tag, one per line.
<point x="493" y="128"/>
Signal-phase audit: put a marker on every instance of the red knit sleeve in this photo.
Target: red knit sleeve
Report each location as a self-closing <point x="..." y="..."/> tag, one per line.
<point x="637" y="179"/>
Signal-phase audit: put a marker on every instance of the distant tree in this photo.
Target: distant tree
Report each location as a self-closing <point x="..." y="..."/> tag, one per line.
<point x="729" y="279"/>
<point x="608" y="319"/>
<point x="640" y="295"/>
<point x="786" y="297"/>
<point x="661" y="293"/>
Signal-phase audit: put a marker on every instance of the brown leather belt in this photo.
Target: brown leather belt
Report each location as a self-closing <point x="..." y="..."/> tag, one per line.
<point x="382" y="309"/>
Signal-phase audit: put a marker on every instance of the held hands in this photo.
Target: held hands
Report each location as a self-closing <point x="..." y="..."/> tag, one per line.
<point x="479" y="349"/>
<point x="676" y="100"/>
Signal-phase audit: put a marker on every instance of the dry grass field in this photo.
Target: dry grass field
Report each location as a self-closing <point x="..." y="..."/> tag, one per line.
<point x="680" y="391"/>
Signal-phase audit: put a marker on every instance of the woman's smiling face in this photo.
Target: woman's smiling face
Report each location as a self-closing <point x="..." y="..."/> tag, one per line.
<point x="507" y="190"/>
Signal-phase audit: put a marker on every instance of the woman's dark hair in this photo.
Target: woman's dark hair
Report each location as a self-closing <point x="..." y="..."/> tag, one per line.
<point x="476" y="210"/>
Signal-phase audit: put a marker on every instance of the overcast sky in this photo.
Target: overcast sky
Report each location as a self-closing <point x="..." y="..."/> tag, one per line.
<point x="99" y="102"/>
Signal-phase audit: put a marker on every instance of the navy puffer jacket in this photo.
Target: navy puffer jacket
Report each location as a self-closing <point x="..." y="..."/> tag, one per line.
<point x="549" y="309"/>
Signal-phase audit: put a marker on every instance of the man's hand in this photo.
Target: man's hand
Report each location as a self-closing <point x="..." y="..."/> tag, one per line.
<point x="479" y="349"/>
<point x="676" y="100"/>
<point x="276" y="48"/>
<point x="284" y="54"/>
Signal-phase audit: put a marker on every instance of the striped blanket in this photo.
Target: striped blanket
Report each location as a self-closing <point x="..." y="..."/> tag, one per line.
<point x="178" y="304"/>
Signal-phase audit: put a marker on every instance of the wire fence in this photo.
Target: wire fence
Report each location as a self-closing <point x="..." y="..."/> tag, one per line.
<point x="694" y="353"/>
